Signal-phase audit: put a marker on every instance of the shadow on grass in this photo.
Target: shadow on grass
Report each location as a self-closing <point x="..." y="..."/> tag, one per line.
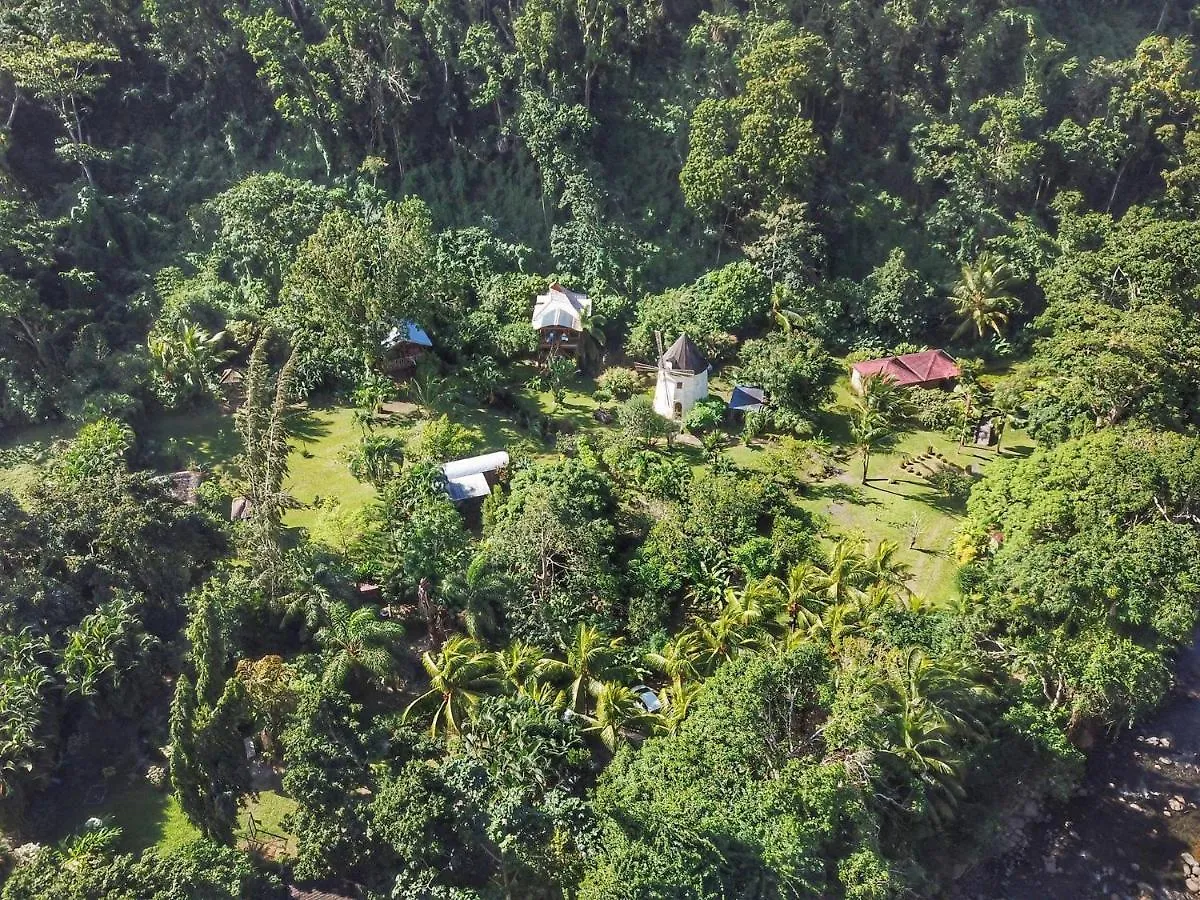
<point x="948" y="505"/>
<point x="307" y="426"/>
<point x="840" y="492"/>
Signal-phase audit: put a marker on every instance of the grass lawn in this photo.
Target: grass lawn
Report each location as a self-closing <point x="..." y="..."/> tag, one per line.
<point x="268" y="810"/>
<point x="893" y="505"/>
<point x="148" y="818"/>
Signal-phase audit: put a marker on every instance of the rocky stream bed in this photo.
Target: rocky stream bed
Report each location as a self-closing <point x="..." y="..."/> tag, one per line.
<point x="1132" y="831"/>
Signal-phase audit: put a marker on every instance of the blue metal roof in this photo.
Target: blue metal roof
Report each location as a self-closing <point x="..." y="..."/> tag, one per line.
<point x="747" y="398"/>
<point x="407" y="332"/>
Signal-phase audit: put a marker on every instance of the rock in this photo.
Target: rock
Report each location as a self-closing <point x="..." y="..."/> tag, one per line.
<point x="1188" y="858"/>
<point x="1193" y="885"/>
<point x="1176" y="803"/>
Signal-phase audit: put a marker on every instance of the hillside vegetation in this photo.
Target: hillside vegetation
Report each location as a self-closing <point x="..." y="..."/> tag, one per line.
<point x="845" y="645"/>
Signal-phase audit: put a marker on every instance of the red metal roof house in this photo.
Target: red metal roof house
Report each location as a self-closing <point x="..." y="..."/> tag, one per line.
<point x="927" y="369"/>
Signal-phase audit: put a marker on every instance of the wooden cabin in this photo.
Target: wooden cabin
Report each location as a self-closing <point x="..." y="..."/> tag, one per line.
<point x="558" y="317"/>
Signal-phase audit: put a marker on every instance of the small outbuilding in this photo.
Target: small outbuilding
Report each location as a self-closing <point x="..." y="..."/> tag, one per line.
<point x="747" y="398"/>
<point x="682" y="379"/>
<point x="927" y="369"/>
<point x="558" y="316"/>
<point x="403" y="346"/>
<point x="472" y="478"/>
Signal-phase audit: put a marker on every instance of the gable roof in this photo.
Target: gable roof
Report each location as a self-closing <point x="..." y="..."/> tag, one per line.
<point x="407" y="332"/>
<point x="684" y="356"/>
<point x="747" y="398"/>
<point x="911" y="368"/>
<point x="560" y="308"/>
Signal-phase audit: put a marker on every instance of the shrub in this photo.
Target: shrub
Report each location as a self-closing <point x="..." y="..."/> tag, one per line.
<point x="705" y="415"/>
<point x="620" y="384"/>
<point x="952" y="483"/>
<point x="936" y="410"/>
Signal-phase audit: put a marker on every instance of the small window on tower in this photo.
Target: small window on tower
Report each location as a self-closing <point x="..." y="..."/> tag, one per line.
<point x="679" y="385"/>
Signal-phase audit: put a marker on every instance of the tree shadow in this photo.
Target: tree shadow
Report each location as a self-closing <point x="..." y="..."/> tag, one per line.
<point x="950" y="506"/>
<point x="304" y="425"/>
<point x="841" y="492"/>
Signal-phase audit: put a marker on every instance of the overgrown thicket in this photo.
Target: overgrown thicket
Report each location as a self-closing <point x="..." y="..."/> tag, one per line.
<point x="635" y="674"/>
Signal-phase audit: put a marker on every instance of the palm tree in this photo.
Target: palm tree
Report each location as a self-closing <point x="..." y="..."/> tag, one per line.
<point x="593" y="657"/>
<point x="845" y="575"/>
<point x="618" y="713"/>
<point x="519" y="665"/>
<point x="868" y="432"/>
<point x="802" y="605"/>
<point x="677" y="659"/>
<point x="676" y="700"/>
<point x="358" y="641"/>
<point x="459" y="676"/>
<point x="726" y="636"/>
<point x="889" y="573"/>
<point x="982" y="297"/>
<point x="930" y="705"/>
<point x="784" y="317"/>
<point x="917" y="739"/>
<point x="479" y="593"/>
<point x="592" y="343"/>
<point x="188" y="356"/>
<point x="887" y="398"/>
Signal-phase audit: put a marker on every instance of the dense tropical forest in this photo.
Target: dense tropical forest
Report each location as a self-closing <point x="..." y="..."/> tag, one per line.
<point x="845" y="643"/>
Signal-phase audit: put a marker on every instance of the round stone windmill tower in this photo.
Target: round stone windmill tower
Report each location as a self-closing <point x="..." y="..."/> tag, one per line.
<point x="682" y="378"/>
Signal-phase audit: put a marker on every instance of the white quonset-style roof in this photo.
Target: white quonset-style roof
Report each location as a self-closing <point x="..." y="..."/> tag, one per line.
<point x="407" y="332"/>
<point x="467" y="478"/>
<point x="561" y="308"/>
<point x="468" y="487"/>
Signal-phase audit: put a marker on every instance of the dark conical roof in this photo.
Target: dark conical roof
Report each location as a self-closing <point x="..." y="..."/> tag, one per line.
<point x="685" y="355"/>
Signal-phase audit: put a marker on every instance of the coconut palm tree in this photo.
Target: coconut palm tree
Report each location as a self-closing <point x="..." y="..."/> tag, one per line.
<point x="887" y="398"/>
<point x="619" y="715"/>
<point x="931" y="705"/>
<point x="593" y="657"/>
<point x="593" y="339"/>
<point x="917" y="740"/>
<point x="519" y="664"/>
<point x="726" y="636"/>
<point x="868" y="432"/>
<point x="845" y="575"/>
<point x="459" y="676"/>
<point x="802" y="605"/>
<point x="357" y="641"/>
<point x="982" y="297"/>
<point x="677" y="701"/>
<point x="677" y="659"/>
<point x="889" y="573"/>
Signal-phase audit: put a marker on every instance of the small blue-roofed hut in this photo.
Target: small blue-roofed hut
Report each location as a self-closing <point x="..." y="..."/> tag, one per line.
<point x="748" y="398"/>
<point x="403" y="346"/>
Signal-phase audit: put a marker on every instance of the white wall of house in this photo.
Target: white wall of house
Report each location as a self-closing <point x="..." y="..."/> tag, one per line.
<point x="856" y="381"/>
<point x="677" y="392"/>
